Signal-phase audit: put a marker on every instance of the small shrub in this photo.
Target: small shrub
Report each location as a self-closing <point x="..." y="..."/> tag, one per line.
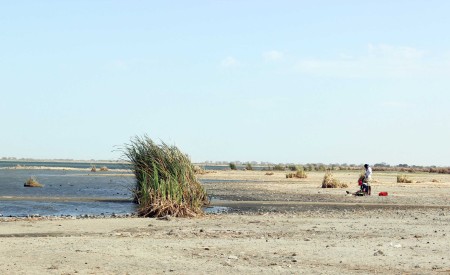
<point x="403" y="179"/>
<point x="292" y="167"/>
<point x="104" y="169"/>
<point x="232" y="166"/>
<point x="330" y="182"/>
<point x="93" y="168"/>
<point x="300" y="173"/>
<point x="248" y="167"/>
<point x="435" y="180"/>
<point x="199" y="170"/>
<point x="269" y="173"/>
<point x="32" y="182"/>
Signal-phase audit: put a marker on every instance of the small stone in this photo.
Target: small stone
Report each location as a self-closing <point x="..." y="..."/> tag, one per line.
<point x="379" y="253"/>
<point x="232" y="257"/>
<point x="164" y="218"/>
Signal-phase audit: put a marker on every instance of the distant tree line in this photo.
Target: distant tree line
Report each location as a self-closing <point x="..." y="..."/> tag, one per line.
<point x="345" y="167"/>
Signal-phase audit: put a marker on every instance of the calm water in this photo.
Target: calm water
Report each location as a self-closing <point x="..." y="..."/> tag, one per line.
<point x="81" y="189"/>
<point x="79" y="165"/>
<point x="110" y="165"/>
<point x="69" y="192"/>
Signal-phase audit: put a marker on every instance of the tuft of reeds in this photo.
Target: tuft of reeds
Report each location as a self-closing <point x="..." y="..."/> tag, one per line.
<point x="248" y="166"/>
<point x="199" y="170"/>
<point x="232" y="166"/>
<point x="32" y="182"/>
<point x="329" y="181"/>
<point x="93" y="168"/>
<point x="165" y="180"/>
<point x="104" y="169"/>
<point x="300" y="173"/>
<point x="403" y="179"/>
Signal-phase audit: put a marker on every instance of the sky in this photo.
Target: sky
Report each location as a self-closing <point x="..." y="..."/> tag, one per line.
<point x="275" y="81"/>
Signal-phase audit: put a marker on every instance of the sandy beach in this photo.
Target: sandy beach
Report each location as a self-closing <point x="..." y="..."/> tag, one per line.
<point x="275" y="226"/>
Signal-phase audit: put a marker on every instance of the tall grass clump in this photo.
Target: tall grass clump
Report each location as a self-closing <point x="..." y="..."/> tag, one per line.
<point x="165" y="180"/>
<point x="232" y="166"/>
<point x="248" y="166"/>
<point x="329" y="181"/>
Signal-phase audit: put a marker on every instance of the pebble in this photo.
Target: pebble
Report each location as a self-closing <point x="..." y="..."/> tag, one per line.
<point x="379" y="253"/>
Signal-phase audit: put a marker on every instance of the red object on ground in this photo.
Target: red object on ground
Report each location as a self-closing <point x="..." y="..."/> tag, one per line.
<point x="360" y="182"/>
<point x="383" y="194"/>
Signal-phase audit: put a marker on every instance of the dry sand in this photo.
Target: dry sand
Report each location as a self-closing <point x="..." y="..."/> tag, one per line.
<point x="280" y="226"/>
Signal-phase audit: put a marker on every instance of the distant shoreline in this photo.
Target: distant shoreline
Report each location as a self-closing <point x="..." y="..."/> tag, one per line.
<point x="64" y="161"/>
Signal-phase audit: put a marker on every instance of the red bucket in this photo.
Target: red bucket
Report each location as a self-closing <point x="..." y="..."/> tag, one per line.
<point x="383" y="194"/>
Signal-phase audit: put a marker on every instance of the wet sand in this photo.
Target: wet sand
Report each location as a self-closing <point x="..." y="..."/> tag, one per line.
<point x="275" y="226"/>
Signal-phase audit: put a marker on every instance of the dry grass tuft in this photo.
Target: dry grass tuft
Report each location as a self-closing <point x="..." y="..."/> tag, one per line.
<point x="269" y="173"/>
<point x="300" y="174"/>
<point x="435" y="180"/>
<point x="329" y="181"/>
<point x="199" y="171"/>
<point x="403" y="179"/>
<point x="104" y="169"/>
<point x="93" y="168"/>
<point x="32" y="182"/>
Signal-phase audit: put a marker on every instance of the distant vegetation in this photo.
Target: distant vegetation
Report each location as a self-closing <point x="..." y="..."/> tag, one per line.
<point x="279" y="167"/>
<point x="32" y="182"/>
<point x="403" y="168"/>
<point x="248" y="167"/>
<point x="165" y="180"/>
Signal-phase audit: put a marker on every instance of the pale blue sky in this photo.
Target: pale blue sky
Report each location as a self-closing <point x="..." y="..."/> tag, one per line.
<point x="278" y="81"/>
